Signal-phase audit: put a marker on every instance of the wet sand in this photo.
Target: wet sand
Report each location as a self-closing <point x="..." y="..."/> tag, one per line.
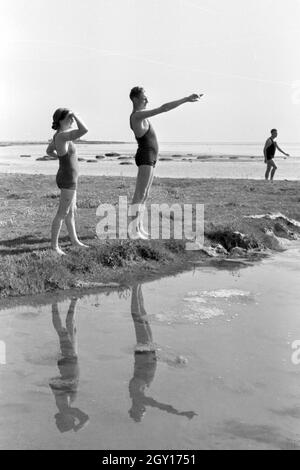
<point x="216" y="371"/>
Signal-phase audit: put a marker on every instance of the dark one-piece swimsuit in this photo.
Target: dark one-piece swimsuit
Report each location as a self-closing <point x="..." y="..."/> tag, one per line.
<point x="271" y="151"/>
<point x="67" y="175"/>
<point x="147" y="153"/>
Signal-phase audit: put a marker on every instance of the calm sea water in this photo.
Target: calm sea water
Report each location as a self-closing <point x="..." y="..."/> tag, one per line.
<point x="184" y="160"/>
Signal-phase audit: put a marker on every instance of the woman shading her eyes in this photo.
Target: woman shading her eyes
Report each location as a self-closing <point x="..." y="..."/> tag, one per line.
<point x="63" y="147"/>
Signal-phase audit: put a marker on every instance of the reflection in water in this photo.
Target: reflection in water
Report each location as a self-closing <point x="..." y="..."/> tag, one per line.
<point x="145" y="363"/>
<point x="65" y="386"/>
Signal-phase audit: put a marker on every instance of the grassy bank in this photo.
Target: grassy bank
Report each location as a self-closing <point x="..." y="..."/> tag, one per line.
<point x="28" y="204"/>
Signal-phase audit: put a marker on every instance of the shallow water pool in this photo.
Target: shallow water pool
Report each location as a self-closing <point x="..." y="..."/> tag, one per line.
<point x="198" y="361"/>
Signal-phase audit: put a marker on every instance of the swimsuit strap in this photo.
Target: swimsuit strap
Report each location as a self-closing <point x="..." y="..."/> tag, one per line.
<point x="147" y="131"/>
<point x="270" y="140"/>
<point x="133" y="130"/>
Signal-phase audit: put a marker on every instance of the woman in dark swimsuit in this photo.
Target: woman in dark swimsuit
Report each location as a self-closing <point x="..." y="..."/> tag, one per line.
<point x="63" y="147"/>
<point x="148" y="149"/>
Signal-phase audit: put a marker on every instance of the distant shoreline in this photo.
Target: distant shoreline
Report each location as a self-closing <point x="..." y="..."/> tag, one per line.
<point x="78" y="142"/>
<point x="117" y="142"/>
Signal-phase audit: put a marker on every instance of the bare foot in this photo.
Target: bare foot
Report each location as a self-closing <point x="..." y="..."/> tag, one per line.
<point x="142" y="236"/>
<point x="143" y="232"/>
<point x="137" y="236"/>
<point x="79" y="244"/>
<point x="59" y="251"/>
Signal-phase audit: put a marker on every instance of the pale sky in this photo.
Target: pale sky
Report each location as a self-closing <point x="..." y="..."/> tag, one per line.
<point x="86" y="55"/>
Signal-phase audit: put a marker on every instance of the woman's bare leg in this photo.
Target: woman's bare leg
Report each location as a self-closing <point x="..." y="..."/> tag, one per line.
<point x="70" y="223"/>
<point x="66" y="199"/>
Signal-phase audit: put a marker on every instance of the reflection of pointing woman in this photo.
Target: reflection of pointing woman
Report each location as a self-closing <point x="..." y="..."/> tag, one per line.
<point x="145" y="363"/>
<point x="65" y="387"/>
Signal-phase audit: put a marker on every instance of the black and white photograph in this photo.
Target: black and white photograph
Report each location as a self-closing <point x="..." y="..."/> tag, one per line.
<point x="149" y="227"/>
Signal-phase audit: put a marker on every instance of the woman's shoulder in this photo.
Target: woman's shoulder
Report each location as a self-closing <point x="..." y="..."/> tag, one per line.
<point x="63" y="136"/>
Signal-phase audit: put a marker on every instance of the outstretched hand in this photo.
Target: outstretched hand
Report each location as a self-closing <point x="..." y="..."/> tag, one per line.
<point x="190" y="414"/>
<point x="194" y="97"/>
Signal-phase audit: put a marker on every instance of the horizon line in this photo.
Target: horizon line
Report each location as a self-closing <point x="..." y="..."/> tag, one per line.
<point x="116" y="142"/>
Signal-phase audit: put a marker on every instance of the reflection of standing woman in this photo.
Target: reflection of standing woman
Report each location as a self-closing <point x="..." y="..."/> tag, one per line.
<point x="63" y="147"/>
<point x="147" y="153"/>
<point x="65" y="387"/>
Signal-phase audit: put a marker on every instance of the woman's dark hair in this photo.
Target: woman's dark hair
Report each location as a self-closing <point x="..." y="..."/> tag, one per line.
<point x="135" y="92"/>
<point x="58" y="116"/>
